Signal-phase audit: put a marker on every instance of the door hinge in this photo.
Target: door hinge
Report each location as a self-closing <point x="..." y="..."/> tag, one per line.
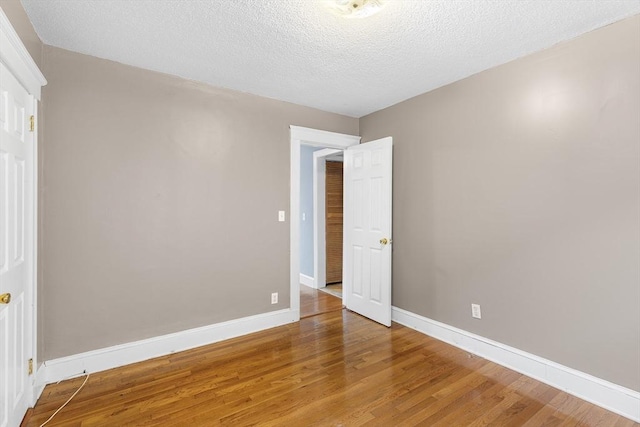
<point x="30" y="366"/>
<point x="32" y="123"/>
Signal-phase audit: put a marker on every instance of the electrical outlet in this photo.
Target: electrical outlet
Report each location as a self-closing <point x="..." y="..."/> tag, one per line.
<point x="274" y="298"/>
<point x="475" y="311"/>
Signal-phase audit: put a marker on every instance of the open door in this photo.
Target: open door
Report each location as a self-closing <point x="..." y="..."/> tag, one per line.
<point x="16" y="246"/>
<point x="367" y="229"/>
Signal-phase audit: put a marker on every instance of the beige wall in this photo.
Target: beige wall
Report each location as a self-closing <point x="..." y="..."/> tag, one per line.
<point x="162" y="199"/>
<point x="518" y="189"/>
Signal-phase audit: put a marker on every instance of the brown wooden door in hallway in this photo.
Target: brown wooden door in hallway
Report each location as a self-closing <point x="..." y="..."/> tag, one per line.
<point x="334" y="215"/>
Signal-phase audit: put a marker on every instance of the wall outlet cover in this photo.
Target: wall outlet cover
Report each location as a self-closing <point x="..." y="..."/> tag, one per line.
<point x="475" y="311"/>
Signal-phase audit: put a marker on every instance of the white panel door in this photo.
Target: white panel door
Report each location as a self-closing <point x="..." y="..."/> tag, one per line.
<point x="16" y="226"/>
<point x="367" y="229"/>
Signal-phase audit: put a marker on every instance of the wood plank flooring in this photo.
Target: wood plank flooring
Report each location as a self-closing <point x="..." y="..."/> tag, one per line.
<point x="313" y="302"/>
<point x="332" y="369"/>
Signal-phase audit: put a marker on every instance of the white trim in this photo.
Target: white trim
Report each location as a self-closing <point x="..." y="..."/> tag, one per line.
<point x="39" y="384"/>
<point x="319" y="216"/>
<point x="307" y="281"/>
<point x="613" y="397"/>
<point x="16" y="58"/>
<point x="124" y="354"/>
<point x="34" y="389"/>
<point x="323" y="138"/>
<point x="294" y="233"/>
<point x="299" y="136"/>
<point x="32" y="275"/>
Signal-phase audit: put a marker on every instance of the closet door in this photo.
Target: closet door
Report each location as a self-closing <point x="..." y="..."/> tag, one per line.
<point x="334" y="215"/>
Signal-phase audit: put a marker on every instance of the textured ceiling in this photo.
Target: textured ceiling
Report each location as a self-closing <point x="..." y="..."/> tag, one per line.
<point x="298" y="51"/>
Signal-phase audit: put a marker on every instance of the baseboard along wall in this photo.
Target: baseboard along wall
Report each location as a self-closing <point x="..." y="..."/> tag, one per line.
<point x="307" y="280"/>
<point x="613" y="397"/>
<point x="119" y="355"/>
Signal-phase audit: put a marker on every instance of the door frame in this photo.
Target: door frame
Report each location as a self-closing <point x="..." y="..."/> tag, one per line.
<point x="19" y="62"/>
<point x="318" y="138"/>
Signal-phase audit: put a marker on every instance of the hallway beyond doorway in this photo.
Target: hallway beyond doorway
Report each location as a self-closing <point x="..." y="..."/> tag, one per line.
<point x="334" y="289"/>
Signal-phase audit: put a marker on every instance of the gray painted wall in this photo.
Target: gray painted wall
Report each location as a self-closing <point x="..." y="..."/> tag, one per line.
<point x="306" y="208"/>
<point x="518" y="189"/>
<point x="161" y="203"/>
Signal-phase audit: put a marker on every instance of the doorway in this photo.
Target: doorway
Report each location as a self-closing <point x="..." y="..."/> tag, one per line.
<point x="322" y="139"/>
<point x="333" y="217"/>
<point x="367" y="239"/>
<point x="321" y="207"/>
<point x="327" y="217"/>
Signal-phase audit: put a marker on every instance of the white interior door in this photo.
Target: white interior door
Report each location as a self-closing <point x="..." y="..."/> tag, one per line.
<point x="367" y="229"/>
<point x="16" y="228"/>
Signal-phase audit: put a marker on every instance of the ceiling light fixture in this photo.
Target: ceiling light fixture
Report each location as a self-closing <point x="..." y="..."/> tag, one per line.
<point x="355" y="8"/>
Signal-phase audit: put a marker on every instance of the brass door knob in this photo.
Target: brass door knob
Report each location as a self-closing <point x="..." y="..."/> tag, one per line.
<point x="384" y="241"/>
<point x="5" y="298"/>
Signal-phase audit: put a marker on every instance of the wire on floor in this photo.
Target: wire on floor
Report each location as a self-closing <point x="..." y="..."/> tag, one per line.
<point x="65" y="403"/>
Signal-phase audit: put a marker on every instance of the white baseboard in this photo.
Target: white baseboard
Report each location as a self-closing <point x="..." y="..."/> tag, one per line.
<point x="307" y="280"/>
<point x="613" y="397"/>
<point x="119" y="355"/>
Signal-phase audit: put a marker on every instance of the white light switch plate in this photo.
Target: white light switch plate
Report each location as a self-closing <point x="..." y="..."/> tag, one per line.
<point x="281" y="216"/>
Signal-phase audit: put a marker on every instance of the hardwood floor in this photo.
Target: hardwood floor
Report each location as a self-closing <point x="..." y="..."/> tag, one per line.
<point x="313" y="302"/>
<point x="331" y="369"/>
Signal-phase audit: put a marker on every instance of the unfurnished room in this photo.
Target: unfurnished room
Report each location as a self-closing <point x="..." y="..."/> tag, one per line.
<point x="319" y="213"/>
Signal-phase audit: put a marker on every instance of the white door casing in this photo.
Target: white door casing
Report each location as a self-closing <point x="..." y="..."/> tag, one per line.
<point x="16" y="246"/>
<point x="367" y="229"/>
